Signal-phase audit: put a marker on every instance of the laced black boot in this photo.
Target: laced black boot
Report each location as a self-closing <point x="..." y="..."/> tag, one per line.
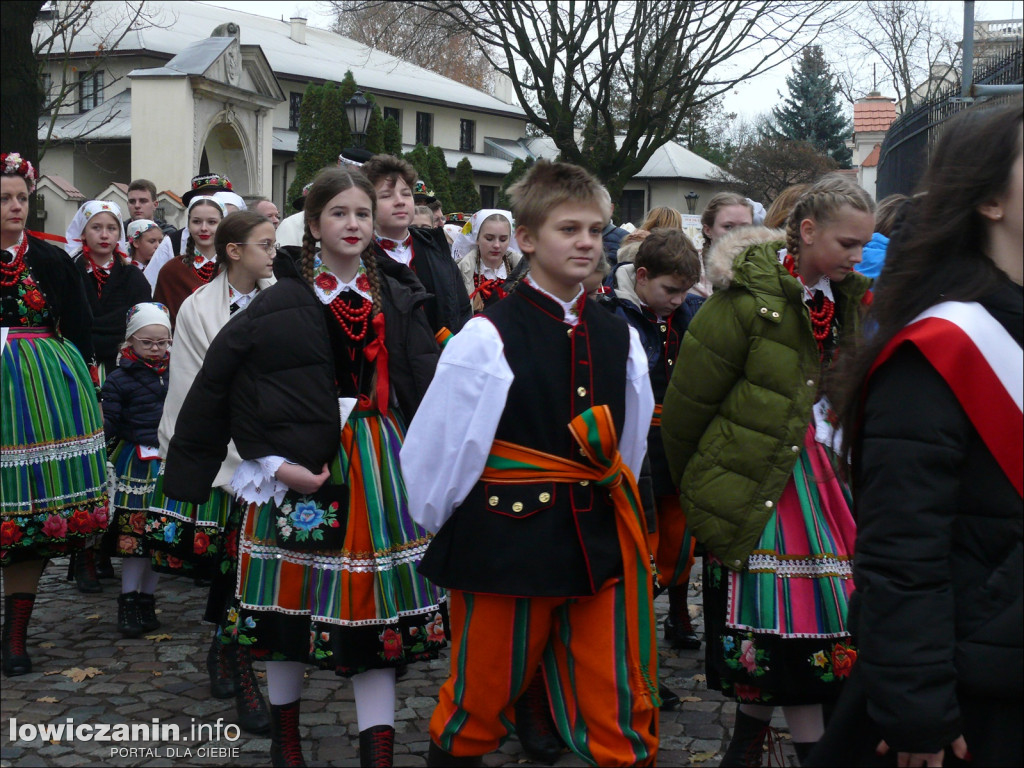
<point x="285" y="743"/>
<point x="377" y="747"/>
<point x="82" y="569"/>
<point x="535" y="726"/>
<point x="147" y="612"/>
<point x="438" y="758"/>
<point x="678" y="627"/>
<point x="220" y="662"/>
<point x="253" y="716"/>
<point x="128" y="622"/>
<point x="17" y="612"/>
<point x="747" y="745"/>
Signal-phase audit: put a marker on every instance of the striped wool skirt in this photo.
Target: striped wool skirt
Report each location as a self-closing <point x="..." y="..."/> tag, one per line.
<point x="776" y="631"/>
<point x="52" y="454"/>
<point x="183" y="537"/>
<point x="131" y="493"/>
<point x="359" y="606"/>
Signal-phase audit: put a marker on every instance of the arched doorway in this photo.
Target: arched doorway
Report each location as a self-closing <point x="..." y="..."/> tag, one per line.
<point x="225" y="152"/>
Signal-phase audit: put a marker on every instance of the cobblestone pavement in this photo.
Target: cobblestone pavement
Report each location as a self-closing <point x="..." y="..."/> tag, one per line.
<point x="164" y="676"/>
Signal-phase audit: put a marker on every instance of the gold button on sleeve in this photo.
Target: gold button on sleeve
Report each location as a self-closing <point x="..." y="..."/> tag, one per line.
<point x="517" y="507"/>
<point x="493" y="501"/>
<point x="544" y="498"/>
<point x="581" y="391"/>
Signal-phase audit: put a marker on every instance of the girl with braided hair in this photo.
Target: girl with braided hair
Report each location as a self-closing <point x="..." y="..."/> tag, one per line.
<point x="488" y="257"/>
<point x="749" y="439"/>
<point x="179" y="278"/>
<point x="314" y="383"/>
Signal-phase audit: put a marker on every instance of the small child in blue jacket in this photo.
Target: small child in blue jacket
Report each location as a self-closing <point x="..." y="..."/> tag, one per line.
<point x="133" y="402"/>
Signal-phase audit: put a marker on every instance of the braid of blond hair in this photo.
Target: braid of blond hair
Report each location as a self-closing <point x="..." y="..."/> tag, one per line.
<point x="822" y="203"/>
<point x="307" y="257"/>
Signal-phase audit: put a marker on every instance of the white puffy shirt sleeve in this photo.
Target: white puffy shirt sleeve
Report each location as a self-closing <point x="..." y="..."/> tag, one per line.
<point x="164" y="253"/>
<point x="639" y="405"/>
<point x="450" y="438"/>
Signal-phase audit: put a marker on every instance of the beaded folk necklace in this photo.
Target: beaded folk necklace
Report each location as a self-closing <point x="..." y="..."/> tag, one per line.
<point x="821" y="317"/>
<point x="10" y="271"/>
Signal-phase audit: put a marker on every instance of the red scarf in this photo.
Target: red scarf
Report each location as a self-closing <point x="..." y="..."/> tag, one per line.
<point x="158" y="367"/>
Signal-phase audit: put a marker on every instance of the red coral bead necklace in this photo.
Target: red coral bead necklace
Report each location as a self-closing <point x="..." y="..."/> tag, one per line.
<point x="821" y="319"/>
<point x="11" y="271"/>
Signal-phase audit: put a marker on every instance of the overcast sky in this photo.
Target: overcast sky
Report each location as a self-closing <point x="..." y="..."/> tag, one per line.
<point x="754" y="96"/>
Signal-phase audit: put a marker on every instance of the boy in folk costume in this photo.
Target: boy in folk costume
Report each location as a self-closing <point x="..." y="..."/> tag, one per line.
<point x="539" y="409"/>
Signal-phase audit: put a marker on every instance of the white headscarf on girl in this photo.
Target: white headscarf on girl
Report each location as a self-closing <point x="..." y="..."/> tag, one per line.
<point x="75" y="242"/>
<point x="466" y="239"/>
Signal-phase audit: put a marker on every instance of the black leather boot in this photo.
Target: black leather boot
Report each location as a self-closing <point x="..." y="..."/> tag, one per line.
<point x="377" y="747"/>
<point x="82" y="569"/>
<point x="17" y="612"/>
<point x="747" y="745"/>
<point x="535" y="726"/>
<point x="147" y="612"/>
<point x="678" y="628"/>
<point x="253" y="716"/>
<point x="285" y="743"/>
<point x="669" y="698"/>
<point x="128" y="622"/>
<point x="104" y="568"/>
<point x="438" y="758"/>
<point x="220" y="663"/>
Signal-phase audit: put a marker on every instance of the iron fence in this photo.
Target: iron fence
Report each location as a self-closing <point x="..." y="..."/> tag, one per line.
<point x="906" y="148"/>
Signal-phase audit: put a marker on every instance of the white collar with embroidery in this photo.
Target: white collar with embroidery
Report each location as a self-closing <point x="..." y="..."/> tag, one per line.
<point x="500" y="273"/>
<point x="570" y="309"/>
<point x="327" y="286"/>
<point x="241" y="299"/>
<point x="199" y="260"/>
<point x="824" y="284"/>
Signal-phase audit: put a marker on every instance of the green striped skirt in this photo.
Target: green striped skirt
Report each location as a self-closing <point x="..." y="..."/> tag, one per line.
<point x="52" y="455"/>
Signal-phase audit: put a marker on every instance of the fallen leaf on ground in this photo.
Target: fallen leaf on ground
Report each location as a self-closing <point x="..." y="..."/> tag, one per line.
<point x="78" y="675"/>
<point x="701" y="757"/>
<point x="691" y="698"/>
<point x="52" y="672"/>
<point x="699" y="679"/>
<point x="157" y="674"/>
<point x="48" y="699"/>
<point x="47" y="644"/>
<point x="94" y="616"/>
<point x="158" y="638"/>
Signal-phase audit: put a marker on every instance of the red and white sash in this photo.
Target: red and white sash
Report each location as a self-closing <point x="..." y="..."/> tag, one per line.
<point x="983" y="365"/>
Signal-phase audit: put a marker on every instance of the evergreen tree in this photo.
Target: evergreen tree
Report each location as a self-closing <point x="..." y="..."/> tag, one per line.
<point x="465" y="196"/>
<point x="392" y="137"/>
<point x="348" y="86"/>
<point x="307" y="156"/>
<point x="440" y="177"/>
<point x="375" y="129"/>
<point x="420" y="160"/>
<point x="811" y="112"/>
<point x="516" y="172"/>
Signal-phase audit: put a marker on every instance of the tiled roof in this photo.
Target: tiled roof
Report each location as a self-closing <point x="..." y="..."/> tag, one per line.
<point x="872" y="159"/>
<point x="65" y="186"/>
<point x="873" y="114"/>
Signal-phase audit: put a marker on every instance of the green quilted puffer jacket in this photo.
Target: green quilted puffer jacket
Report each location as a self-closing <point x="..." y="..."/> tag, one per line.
<point x="742" y="391"/>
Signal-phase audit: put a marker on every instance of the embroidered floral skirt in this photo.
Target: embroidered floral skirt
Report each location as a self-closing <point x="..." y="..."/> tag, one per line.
<point x="776" y="631"/>
<point x="131" y="493"/>
<point x="183" y="537"/>
<point x="358" y="607"/>
<point x="52" y="455"/>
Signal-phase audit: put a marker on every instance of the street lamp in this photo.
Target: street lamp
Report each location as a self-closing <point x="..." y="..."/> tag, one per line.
<point x="358" y="110"/>
<point x="691" y="202"/>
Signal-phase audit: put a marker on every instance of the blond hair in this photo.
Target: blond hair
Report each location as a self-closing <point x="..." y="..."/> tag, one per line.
<point x="663" y="216"/>
<point x="547" y="185"/>
<point x="779" y="210"/>
<point x="822" y="203"/>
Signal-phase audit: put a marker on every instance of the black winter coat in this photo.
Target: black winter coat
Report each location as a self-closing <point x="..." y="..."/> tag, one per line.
<point x="125" y="288"/>
<point x="447" y="303"/>
<point x="133" y="397"/>
<point x="268" y="379"/>
<point x="938" y="568"/>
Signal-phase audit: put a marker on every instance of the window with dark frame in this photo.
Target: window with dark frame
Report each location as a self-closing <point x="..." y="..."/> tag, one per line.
<point x="424" y="128"/>
<point x="395" y="114"/>
<point x="631" y="206"/>
<point x="467" y="135"/>
<point x="45" y="86"/>
<point x="488" y="194"/>
<point x="90" y="91"/>
<point x="294" y="110"/>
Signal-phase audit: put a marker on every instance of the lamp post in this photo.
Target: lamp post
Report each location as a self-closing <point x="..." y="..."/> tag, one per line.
<point x="357" y="110"/>
<point x="691" y="202"/>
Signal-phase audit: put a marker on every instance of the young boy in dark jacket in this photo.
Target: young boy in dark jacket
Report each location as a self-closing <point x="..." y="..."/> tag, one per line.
<point x="651" y="295"/>
<point x="539" y="413"/>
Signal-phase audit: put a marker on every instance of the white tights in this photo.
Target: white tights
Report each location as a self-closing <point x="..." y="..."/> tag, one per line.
<point x="374" y="691"/>
<point x="137" y="575"/>
<point x="806" y="722"/>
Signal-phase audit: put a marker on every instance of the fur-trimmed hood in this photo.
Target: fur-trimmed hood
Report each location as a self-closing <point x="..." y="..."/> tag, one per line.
<point x="721" y="262"/>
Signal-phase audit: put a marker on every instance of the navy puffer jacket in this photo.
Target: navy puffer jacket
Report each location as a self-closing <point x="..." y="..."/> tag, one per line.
<point x="133" y="401"/>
